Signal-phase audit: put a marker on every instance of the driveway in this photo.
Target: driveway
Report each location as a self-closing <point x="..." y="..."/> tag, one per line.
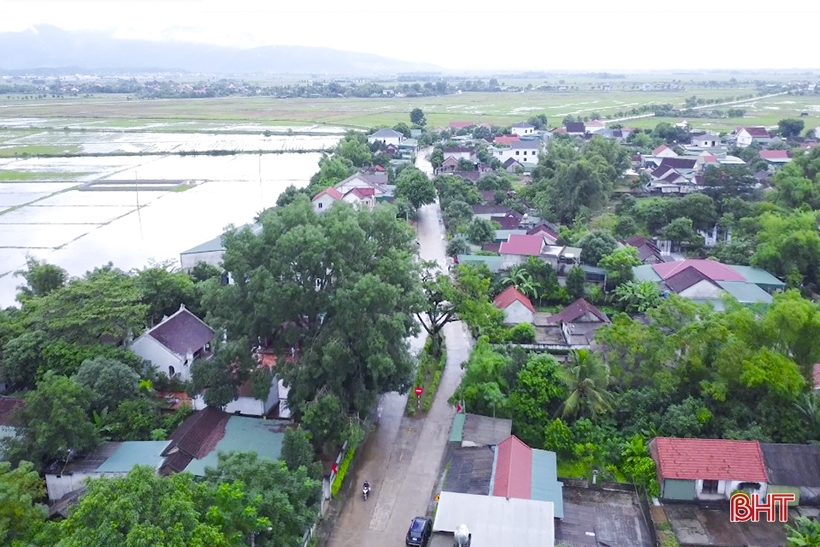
<point x="402" y="459"/>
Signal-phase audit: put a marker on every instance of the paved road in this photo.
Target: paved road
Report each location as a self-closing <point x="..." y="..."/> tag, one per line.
<point x="402" y="458"/>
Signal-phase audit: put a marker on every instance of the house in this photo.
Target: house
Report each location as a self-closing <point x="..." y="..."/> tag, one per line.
<point x="474" y="430"/>
<point x="709" y="280"/>
<point x="485" y="168"/>
<point x="705" y="140"/>
<point x="325" y="199"/>
<point x="175" y="343"/>
<point x="409" y="147"/>
<point x="460" y="153"/>
<point x="708" y="469"/>
<point x="681" y="165"/>
<point x="377" y="181"/>
<point x="518" y="248"/>
<point x="461" y="125"/>
<point x="512" y="166"/>
<point x="210" y="252"/>
<point x="561" y="257"/>
<point x="776" y="157"/>
<point x="195" y="444"/>
<point x="507" y="223"/>
<point x="594" y="126"/>
<point x="525" y="473"/>
<point x="521" y="151"/>
<point x="793" y="469"/>
<point x="493" y="263"/>
<point x="361" y="198"/>
<point x="386" y="137"/>
<point x="516" y="306"/>
<point x="522" y="129"/>
<point x="486" y="212"/>
<point x="648" y="251"/>
<point x="505" y="140"/>
<point x="111" y="459"/>
<point x="550" y="236"/>
<point x="449" y="165"/>
<point x="746" y="136"/>
<point x="10" y="407"/>
<point x="246" y="402"/>
<point x="576" y="129"/>
<point x="578" y="322"/>
<point x="664" y="151"/>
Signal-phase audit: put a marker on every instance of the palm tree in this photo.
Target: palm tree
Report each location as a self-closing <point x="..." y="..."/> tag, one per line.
<point x="587" y="379"/>
<point x="805" y="532"/>
<point x="521" y="279"/>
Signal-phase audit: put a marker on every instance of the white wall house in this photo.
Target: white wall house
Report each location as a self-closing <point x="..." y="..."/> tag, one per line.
<point x="517" y="308"/>
<point x="521" y="151"/>
<point x="706" y="140"/>
<point x="325" y="199"/>
<point x="523" y="129"/>
<point x="387" y="136"/>
<point x="702" y="290"/>
<point x="210" y="252"/>
<point x="460" y="153"/>
<point x="362" y="198"/>
<point x="377" y="181"/>
<point x="705" y="490"/>
<point x="746" y="136"/>
<point x="174" y="344"/>
<point x="246" y="404"/>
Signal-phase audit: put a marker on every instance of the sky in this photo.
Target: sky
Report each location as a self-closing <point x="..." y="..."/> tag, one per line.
<point x="471" y="35"/>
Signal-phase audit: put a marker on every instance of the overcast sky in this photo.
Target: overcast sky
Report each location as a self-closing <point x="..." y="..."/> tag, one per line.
<point x="478" y="34"/>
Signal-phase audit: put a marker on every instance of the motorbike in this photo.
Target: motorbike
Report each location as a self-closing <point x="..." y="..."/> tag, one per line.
<point x="365" y="492"/>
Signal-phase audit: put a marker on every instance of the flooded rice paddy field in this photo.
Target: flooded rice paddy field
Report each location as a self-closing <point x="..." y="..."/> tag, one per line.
<point x="50" y="219"/>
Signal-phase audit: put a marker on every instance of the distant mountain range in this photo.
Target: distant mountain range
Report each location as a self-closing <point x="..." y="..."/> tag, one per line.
<point x="46" y="46"/>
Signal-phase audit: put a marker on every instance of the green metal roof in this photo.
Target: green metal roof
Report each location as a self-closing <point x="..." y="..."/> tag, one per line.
<point x="593" y="269"/>
<point x="211" y="246"/>
<point x="131" y="453"/>
<point x="504" y="235"/>
<point x="545" y="483"/>
<point x="646" y="273"/>
<point x="746" y="293"/>
<point x="457" y="432"/>
<point x="245" y="435"/>
<point x="492" y="262"/>
<point x="759" y="277"/>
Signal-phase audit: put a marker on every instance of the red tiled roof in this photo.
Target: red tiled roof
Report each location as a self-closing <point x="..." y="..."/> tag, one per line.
<point x="510" y="295"/>
<point x="506" y="139"/>
<point x="513" y="469"/>
<point x="362" y="193"/>
<point x="708" y="459"/>
<point x="518" y="244"/>
<point x="332" y="192"/>
<point x="575" y="311"/>
<point x="596" y="123"/>
<point x="712" y="269"/>
<point x="774" y="154"/>
<point x="8" y="408"/>
<point x="659" y="149"/>
<point x="759" y="132"/>
<point x="543" y="230"/>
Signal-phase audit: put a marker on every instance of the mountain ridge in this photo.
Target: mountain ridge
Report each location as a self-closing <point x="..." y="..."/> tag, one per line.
<point x="46" y="46"/>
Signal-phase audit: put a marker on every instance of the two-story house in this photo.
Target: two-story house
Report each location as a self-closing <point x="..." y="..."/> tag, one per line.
<point x="523" y="129"/>
<point x="524" y="152"/>
<point x="746" y="136"/>
<point x="386" y="136"/>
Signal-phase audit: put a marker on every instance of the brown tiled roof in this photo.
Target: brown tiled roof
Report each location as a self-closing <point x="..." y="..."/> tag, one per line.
<point x="507" y="222"/>
<point x="495" y="210"/>
<point x="575" y="311"/>
<point x="8" y="410"/>
<point x="332" y="192"/>
<point x="471" y="176"/>
<point x="679" y="163"/>
<point x="183" y="332"/>
<point x="199" y="434"/>
<point x="491" y="247"/>
<point x="576" y="127"/>
<point x="758" y="132"/>
<point x="685" y="279"/>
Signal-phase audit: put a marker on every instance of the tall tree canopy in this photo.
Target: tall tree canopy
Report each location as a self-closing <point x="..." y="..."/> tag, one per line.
<point x="336" y="290"/>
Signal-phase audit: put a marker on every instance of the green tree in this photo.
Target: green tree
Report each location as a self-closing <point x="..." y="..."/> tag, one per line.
<point x="41" y="278"/>
<point x="788" y="242"/>
<point x="56" y="420"/>
<point x="626" y="227"/>
<point x="576" y="283"/>
<point x="110" y="381"/>
<point x="22" y="356"/>
<point x="638" y="296"/>
<point x="456" y="215"/>
<point x="414" y="186"/>
<point x="103" y="306"/>
<point x="483" y="387"/>
<point x="437" y="157"/>
<point x="163" y="290"/>
<point x="699" y="208"/>
<point x="332" y="170"/>
<point x="324" y="418"/>
<point x="790" y="128"/>
<point x="586" y="378"/>
<point x="457" y="246"/>
<point x="480" y="231"/>
<point x="680" y="230"/>
<point x="21" y="514"/>
<point x="595" y="246"/>
<point x="287" y="500"/>
<point x="440" y="304"/>
<point x="221" y="376"/>
<point x="537" y="394"/>
<point x="354" y="148"/>
<point x="290" y="194"/>
<point x="402" y="128"/>
<point x="143" y="508"/>
<point x="417" y="117"/>
<point x="203" y="272"/>
<point x="620" y="264"/>
<point x="298" y="452"/>
<point x="341" y="287"/>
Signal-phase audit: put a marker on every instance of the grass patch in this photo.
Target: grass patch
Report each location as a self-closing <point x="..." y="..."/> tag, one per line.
<point x="37" y="150"/>
<point x="428" y="376"/>
<point x="7" y="176"/>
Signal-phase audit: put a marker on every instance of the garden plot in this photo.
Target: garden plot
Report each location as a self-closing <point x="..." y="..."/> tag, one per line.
<point x="18" y="193"/>
<point x="66" y="214"/>
<point x="40" y="236"/>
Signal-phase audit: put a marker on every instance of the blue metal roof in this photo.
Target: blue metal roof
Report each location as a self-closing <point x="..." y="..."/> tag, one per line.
<point x="545" y="483"/>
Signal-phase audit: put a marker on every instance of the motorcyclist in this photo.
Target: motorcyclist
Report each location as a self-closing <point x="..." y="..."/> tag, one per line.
<point x="366" y="486"/>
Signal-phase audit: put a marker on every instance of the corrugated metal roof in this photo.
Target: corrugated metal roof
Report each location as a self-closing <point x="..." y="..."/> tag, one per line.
<point x="545" y="483"/>
<point x="492" y="262"/>
<point x="746" y="293"/>
<point x="495" y="521"/>
<point x="458" y="427"/>
<point x="513" y="469"/>
<point x="758" y="276"/>
<point x="131" y="453"/>
<point x="646" y="273"/>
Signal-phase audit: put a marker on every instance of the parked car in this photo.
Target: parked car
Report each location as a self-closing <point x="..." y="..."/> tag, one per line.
<point x="421" y="528"/>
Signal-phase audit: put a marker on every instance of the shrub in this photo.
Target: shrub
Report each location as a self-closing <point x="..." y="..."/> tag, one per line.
<point x="340" y="476"/>
<point x="523" y="333"/>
